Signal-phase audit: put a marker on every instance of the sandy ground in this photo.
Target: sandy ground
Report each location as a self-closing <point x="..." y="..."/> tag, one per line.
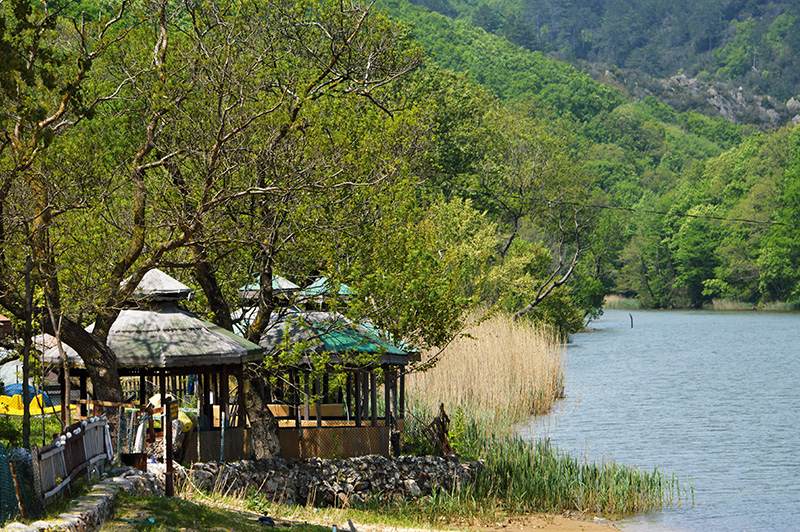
<point x="553" y="523"/>
<point x="549" y="523"/>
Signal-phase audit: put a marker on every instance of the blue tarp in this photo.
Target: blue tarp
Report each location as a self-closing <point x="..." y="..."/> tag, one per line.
<point x="16" y="389"/>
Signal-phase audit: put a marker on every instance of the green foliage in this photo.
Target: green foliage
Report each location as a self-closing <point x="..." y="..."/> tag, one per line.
<point x="512" y="73"/>
<point x="693" y="249"/>
<point x="11" y="429"/>
<point x="736" y="58"/>
<point x="628" y="149"/>
<point x="516" y="281"/>
<point x="753" y="44"/>
<point x="10" y="434"/>
<point x="419" y="272"/>
<point x="730" y="234"/>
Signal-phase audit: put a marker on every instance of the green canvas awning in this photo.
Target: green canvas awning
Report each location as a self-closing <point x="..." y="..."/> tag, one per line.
<point x="332" y="333"/>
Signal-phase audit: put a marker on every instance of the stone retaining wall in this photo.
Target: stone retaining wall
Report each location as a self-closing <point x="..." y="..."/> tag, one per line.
<point x="335" y="482"/>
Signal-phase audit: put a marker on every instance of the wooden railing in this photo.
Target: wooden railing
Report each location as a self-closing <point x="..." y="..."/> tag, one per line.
<point x="78" y="450"/>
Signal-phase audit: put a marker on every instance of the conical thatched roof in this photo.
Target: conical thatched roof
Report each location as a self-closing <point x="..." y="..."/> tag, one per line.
<point x="158" y="286"/>
<point x="164" y="336"/>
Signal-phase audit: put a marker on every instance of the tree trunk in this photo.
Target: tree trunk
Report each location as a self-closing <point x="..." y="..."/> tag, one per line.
<point x="264" y="426"/>
<point x="98" y="358"/>
<point x="205" y="277"/>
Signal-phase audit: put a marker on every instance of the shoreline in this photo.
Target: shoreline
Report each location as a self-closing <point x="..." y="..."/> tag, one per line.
<point x="552" y="523"/>
<point x="529" y="523"/>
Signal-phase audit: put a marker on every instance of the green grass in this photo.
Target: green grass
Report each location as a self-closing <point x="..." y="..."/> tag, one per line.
<point x="159" y="514"/>
<point x="11" y="429"/>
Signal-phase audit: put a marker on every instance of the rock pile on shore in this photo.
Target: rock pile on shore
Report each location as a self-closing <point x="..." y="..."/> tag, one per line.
<point x="340" y="482"/>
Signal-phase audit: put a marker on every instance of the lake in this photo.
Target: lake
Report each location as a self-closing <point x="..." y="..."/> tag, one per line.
<point x="711" y="396"/>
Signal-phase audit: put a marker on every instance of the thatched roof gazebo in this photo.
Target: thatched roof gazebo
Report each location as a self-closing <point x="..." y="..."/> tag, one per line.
<point x="158" y="339"/>
<point x="325" y="420"/>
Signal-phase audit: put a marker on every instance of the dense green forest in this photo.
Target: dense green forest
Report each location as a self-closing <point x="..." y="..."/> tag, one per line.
<point x="431" y="166"/>
<point x="664" y="176"/>
<point x="753" y="43"/>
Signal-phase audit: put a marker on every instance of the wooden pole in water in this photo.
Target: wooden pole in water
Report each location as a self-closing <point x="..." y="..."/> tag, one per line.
<point x="631" y="316"/>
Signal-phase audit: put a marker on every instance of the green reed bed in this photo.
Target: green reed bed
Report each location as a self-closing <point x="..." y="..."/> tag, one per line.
<point x="525" y="477"/>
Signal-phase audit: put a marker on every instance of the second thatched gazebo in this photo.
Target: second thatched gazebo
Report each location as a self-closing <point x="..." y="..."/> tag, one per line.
<point x="335" y="412"/>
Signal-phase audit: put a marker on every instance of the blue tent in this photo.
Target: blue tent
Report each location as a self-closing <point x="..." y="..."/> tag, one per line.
<point x="16" y="389"/>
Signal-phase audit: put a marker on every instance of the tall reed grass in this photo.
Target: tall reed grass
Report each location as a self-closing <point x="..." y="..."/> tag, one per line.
<point x="500" y="371"/>
<point x="528" y="477"/>
<point x="500" y="374"/>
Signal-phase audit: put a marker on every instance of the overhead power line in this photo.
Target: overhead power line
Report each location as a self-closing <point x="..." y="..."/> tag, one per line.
<point x="618" y="208"/>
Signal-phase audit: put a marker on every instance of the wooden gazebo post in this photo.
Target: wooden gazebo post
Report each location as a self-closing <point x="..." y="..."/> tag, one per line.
<point x="240" y="396"/>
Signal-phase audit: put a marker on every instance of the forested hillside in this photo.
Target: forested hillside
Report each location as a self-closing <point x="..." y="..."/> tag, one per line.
<point x="755" y="43"/>
<point x="431" y="166"/>
<point x="662" y="177"/>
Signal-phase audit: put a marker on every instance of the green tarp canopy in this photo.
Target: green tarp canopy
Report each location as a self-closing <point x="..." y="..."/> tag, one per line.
<point x="328" y="332"/>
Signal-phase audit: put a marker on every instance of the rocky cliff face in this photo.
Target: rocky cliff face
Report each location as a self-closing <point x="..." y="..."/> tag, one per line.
<point x="732" y="103"/>
<point x="712" y="98"/>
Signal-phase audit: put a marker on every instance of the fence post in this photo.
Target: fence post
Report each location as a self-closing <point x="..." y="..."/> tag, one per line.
<point x="169" y="489"/>
<point x="17" y="489"/>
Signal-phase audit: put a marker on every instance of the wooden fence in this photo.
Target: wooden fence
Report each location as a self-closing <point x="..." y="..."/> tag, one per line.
<point x="177" y="386"/>
<point x="78" y="450"/>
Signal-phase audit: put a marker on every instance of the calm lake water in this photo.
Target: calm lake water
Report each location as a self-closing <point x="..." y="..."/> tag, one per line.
<point x="709" y="396"/>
